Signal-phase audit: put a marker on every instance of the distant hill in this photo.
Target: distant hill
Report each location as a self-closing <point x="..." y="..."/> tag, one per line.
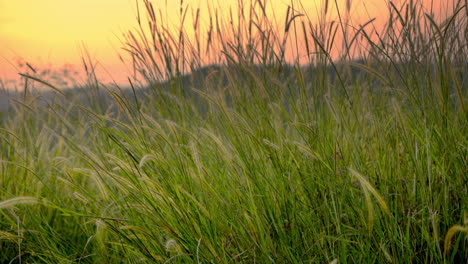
<point x="272" y="77"/>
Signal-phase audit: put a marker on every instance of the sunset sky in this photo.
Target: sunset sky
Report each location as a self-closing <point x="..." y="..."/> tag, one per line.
<point x="52" y="33"/>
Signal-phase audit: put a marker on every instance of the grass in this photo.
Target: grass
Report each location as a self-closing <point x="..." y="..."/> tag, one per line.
<point x="252" y="160"/>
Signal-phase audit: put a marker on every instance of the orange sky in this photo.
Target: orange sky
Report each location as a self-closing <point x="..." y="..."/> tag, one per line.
<point x="51" y="33"/>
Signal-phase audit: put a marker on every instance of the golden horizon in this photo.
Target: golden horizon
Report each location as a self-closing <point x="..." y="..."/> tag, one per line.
<point x="53" y="33"/>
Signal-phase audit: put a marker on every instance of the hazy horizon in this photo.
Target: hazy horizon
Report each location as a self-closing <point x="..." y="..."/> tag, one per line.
<point x="54" y="34"/>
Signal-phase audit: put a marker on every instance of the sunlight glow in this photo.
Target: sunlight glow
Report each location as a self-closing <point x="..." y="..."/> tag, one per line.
<point x="52" y="33"/>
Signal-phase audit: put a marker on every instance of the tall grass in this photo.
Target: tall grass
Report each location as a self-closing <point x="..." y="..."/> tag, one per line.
<point x="355" y="156"/>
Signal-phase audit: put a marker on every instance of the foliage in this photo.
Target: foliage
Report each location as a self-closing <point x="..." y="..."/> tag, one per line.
<point x="250" y="160"/>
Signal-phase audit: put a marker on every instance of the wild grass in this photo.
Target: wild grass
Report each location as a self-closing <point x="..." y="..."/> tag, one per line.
<point x="360" y="158"/>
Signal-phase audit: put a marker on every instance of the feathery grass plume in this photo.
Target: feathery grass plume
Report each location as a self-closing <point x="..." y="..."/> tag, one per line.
<point x="42" y="82"/>
<point x="454" y="230"/>
<point x="156" y="157"/>
<point x="81" y="197"/>
<point x="368" y="189"/>
<point x="195" y="153"/>
<point x="221" y="147"/>
<point x="18" y="200"/>
<point x="97" y="179"/>
<point x="8" y="236"/>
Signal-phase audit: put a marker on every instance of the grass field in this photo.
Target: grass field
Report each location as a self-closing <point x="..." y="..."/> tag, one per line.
<point x="360" y="159"/>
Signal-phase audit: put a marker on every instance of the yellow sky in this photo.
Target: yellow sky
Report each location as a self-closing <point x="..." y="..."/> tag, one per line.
<point x="52" y="32"/>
